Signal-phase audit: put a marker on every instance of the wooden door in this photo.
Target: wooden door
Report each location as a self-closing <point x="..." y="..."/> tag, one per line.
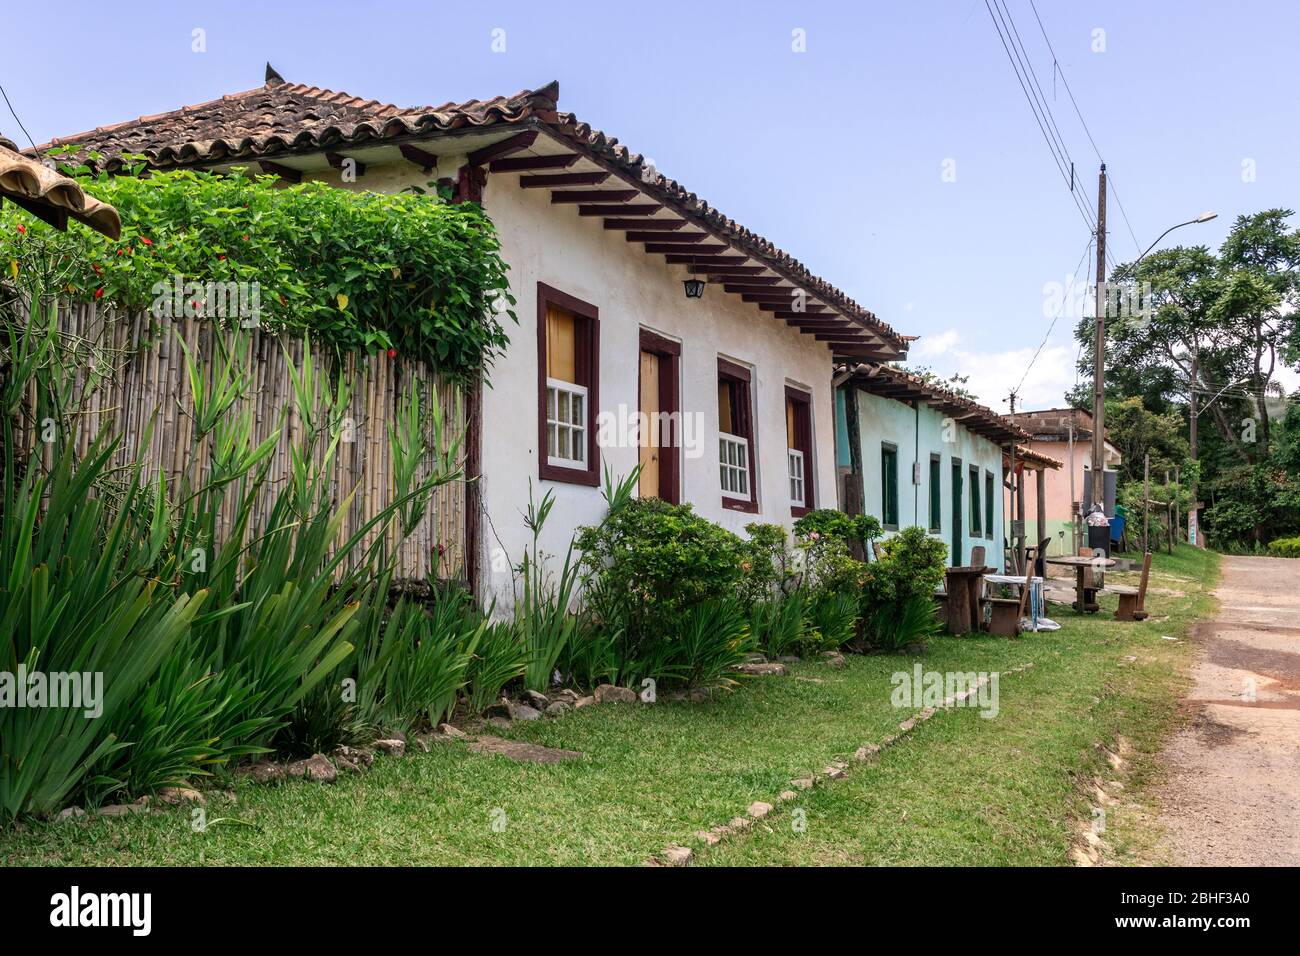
<point x="651" y="405"/>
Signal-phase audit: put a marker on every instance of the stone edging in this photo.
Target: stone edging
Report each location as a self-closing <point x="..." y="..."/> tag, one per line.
<point x="837" y="769"/>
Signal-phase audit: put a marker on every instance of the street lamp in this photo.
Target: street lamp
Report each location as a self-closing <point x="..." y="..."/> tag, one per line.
<point x="1203" y="217"/>
<point x="1193" y="523"/>
<point x="1099" y="353"/>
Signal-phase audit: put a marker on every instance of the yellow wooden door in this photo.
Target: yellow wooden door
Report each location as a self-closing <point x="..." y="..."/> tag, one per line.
<point x="649" y="451"/>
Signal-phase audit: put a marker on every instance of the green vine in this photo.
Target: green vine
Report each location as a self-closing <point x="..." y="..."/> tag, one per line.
<point x="407" y="273"/>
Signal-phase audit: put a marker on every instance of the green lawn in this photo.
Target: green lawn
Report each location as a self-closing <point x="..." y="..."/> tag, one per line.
<point x="961" y="789"/>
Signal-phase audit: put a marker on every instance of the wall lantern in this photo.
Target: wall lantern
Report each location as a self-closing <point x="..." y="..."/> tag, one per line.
<point x="694" y="288"/>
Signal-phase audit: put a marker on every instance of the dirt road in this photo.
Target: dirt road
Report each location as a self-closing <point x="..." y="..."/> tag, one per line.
<point x="1233" y="793"/>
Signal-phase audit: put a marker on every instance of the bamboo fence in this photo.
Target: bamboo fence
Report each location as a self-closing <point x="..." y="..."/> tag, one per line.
<point x="129" y="377"/>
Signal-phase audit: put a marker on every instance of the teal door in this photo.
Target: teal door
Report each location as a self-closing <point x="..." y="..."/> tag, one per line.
<point x="956" y="555"/>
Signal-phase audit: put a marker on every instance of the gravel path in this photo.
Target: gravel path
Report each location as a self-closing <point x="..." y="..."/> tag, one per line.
<point x="1233" y="793"/>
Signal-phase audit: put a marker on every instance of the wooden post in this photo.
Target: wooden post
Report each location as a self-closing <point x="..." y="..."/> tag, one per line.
<point x="1146" y="502"/>
<point x="1040" y="488"/>
<point x="1169" y="519"/>
<point x="1020" y="517"/>
<point x="1178" y="515"/>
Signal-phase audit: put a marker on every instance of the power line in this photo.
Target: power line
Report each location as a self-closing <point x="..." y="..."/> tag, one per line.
<point x="1062" y="161"/>
<point x="1056" y="66"/>
<point x="1086" y="249"/>
<point x="19" y="122"/>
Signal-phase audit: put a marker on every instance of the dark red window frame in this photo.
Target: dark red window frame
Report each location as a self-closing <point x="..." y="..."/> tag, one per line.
<point x="586" y="338"/>
<point x="803" y="442"/>
<point x="740" y="378"/>
<point x="670" y="366"/>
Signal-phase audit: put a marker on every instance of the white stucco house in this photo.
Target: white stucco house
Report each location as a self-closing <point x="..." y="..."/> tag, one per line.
<point x="634" y="297"/>
<point x="914" y="453"/>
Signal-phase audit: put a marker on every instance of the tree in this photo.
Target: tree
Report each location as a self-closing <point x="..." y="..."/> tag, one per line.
<point x="1138" y="432"/>
<point x="1258" y="300"/>
<point x="1213" y="325"/>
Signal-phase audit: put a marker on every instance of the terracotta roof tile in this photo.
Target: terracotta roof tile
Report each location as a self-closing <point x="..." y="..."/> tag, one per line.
<point x="52" y="196"/>
<point x="893" y="382"/>
<point x="285" y="117"/>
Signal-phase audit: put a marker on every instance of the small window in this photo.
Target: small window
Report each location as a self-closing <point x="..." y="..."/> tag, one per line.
<point x="799" y="457"/>
<point x="988" y="505"/>
<point x="568" y="366"/>
<point x="936" y="494"/>
<point x="975" y="501"/>
<point x="889" y="486"/>
<point x="736" y="461"/>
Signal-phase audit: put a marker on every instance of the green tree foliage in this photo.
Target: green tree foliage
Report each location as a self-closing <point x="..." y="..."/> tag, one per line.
<point x="1217" y="325"/>
<point x="1136" y="432"/>
<point x="360" y="271"/>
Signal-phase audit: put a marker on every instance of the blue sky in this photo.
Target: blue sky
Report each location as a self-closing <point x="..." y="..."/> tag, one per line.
<point x="838" y="154"/>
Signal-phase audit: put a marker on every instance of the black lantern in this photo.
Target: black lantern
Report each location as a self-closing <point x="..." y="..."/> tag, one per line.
<point x="694" y="288"/>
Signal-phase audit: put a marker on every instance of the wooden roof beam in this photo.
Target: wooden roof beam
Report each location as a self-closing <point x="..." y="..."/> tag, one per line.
<point x="594" y="195"/>
<point x="562" y="179"/>
<point x="521" y="164"/>
<point x="337" y="160"/>
<point x="505" y="147"/>
<point x="677" y="254"/>
<point x="287" y="173"/>
<point x="629" y="209"/>
<point x="420" y="157"/>
<point x="665" y="225"/>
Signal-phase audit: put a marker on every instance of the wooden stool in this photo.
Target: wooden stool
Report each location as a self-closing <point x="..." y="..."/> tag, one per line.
<point x="1132" y="600"/>
<point x="1007" y="612"/>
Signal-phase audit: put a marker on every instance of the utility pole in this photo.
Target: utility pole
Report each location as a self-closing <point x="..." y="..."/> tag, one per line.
<point x="1011" y="519"/>
<point x="1193" y="514"/>
<point x="1146" y="502"/>
<point x="1099" y="353"/>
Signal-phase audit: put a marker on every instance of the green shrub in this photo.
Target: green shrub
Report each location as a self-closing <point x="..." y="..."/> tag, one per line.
<point x="834" y="618"/>
<point x="357" y="270"/>
<point x="766" y="564"/>
<point x="430" y="655"/>
<point x="710" y="639"/>
<point x="781" y="625"/>
<point x="1284" y="547"/>
<point x="78" y="597"/>
<point x="897" y="625"/>
<point x="544" y="618"/>
<point x="323" y="721"/>
<point x="830" y="523"/>
<point x="652" y="561"/>
<point x="497" y="658"/>
<point x="827" y="567"/>
<point x="898" y="590"/>
<point x="210" y="645"/>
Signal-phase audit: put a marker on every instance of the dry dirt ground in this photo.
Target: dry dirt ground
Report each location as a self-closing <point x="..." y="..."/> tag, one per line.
<point x="1232" y="792"/>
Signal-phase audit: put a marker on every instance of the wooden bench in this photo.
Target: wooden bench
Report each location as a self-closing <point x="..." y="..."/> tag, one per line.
<point x="1132" y="600"/>
<point x="1007" y="612"/>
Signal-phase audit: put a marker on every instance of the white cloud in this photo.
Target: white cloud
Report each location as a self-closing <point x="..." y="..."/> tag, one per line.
<point x="931" y="346"/>
<point x="993" y="374"/>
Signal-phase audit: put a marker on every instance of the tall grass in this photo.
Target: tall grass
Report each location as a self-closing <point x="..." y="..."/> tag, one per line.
<point x="209" y="634"/>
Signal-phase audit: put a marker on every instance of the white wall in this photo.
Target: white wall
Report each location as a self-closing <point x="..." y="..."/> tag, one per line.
<point x="545" y="242"/>
<point x="918" y="434"/>
<point x="553" y="244"/>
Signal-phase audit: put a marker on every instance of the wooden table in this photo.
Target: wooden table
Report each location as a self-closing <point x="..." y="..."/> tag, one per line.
<point x="1085" y="599"/>
<point x="965" y="585"/>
